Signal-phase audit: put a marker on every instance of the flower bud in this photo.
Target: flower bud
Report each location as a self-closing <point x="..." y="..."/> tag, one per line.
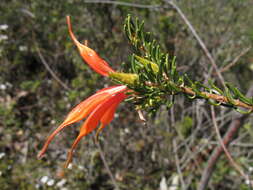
<point x="126" y="78"/>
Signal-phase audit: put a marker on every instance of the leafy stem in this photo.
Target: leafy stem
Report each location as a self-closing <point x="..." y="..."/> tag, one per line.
<point x="153" y="77"/>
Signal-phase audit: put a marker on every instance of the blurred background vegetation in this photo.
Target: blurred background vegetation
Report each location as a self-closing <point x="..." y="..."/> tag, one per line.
<point x="34" y="43"/>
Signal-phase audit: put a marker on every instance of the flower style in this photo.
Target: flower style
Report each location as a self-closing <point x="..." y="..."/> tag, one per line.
<point x="90" y="56"/>
<point x="98" y="108"/>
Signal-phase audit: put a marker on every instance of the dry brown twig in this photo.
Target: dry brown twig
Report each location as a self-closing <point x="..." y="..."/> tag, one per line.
<point x="231" y="160"/>
<point x="217" y="152"/>
<point x="233" y="129"/>
<point x="44" y="62"/>
<point x="235" y="125"/>
<point x="227" y="67"/>
<point x="199" y="40"/>
<point x="179" y="170"/>
<point x="135" y="5"/>
<point x="102" y="156"/>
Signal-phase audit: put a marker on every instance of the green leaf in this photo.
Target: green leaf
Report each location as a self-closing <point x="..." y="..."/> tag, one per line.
<point x="146" y="62"/>
<point x="30" y="85"/>
<point x="215" y="87"/>
<point x="239" y="95"/>
<point x="229" y="96"/>
<point x="243" y="111"/>
<point x="213" y="102"/>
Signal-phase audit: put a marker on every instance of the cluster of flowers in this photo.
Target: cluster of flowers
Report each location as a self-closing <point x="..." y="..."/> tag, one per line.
<point x="99" y="108"/>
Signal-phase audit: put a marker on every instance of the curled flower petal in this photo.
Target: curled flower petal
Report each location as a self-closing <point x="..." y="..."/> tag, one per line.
<point x="93" y="120"/>
<point x="89" y="55"/>
<point x="82" y="110"/>
<point x="108" y="117"/>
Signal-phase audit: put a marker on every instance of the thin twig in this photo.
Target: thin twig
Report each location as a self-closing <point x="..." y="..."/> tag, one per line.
<point x="235" y="144"/>
<point x="188" y="152"/>
<point x="179" y="171"/>
<point x="124" y="4"/>
<point x="49" y="69"/>
<point x="217" y="97"/>
<point x="223" y="100"/>
<point x="213" y="159"/>
<point x="200" y="41"/>
<point x="227" y="139"/>
<point x="231" y="160"/>
<point x="102" y="156"/>
<point x="227" y="67"/>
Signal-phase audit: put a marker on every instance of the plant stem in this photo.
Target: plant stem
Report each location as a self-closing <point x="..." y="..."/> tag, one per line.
<point x="217" y="97"/>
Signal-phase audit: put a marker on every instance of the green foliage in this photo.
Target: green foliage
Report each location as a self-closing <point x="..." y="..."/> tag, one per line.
<point x="158" y="76"/>
<point x="185" y="126"/>
<point x="149" y="63"/>
<point x="222" y="171"/>
<point x="248" y="127"/>
<point x="30" y="85"/>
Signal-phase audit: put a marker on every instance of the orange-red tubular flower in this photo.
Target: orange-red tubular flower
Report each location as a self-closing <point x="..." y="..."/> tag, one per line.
<point x="89" y="55"/>
<point x="100" y="114"/>
<point x="99" y="107"/>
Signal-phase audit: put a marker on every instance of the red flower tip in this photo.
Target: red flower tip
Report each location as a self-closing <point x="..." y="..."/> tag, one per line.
<point x="90" y="56"/>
